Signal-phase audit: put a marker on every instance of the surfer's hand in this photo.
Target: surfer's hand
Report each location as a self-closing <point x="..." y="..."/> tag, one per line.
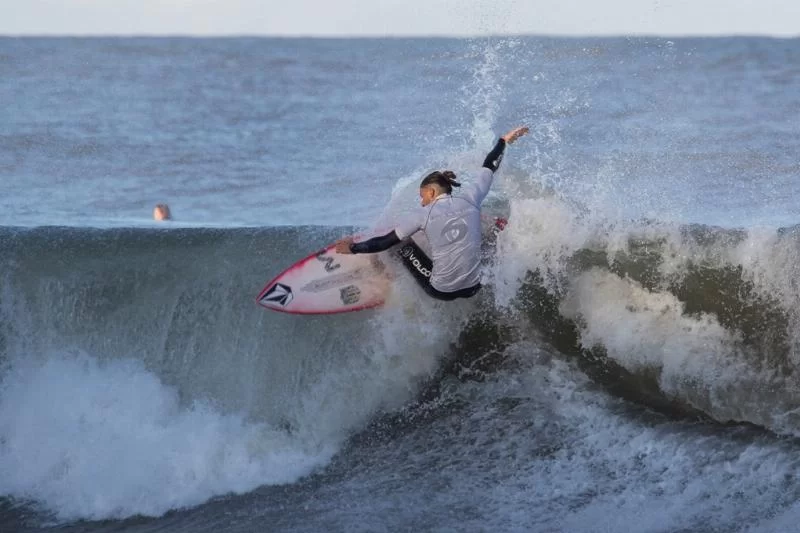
<point x="515" y="134"/>
<point x="343" y="245"/>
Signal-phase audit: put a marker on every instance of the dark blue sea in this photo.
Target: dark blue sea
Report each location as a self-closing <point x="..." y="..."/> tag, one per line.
<point x="632" y="365"/>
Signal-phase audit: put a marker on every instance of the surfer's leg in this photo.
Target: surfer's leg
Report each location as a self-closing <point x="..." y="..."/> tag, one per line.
<point x="469" y="292"/>
<point x="420" y="266"/>
<point x="416" y="261"/>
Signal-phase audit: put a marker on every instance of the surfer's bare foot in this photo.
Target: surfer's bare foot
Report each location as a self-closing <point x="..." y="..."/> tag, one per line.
<point x="515" y="134"/>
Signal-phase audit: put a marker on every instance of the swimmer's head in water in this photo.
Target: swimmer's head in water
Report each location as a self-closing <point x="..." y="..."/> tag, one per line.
<point x="436" y="183"/>
<point x="161" y="212"/>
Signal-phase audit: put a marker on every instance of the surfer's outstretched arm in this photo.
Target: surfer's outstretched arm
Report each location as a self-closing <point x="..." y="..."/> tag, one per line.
<point x="405" y="228"/>
<point x="480" y="188"/>
<point x="370" y="246"/>
<point x="493" y="159"/>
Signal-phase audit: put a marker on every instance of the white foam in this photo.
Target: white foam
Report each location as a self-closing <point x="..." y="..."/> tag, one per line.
<point x="106" y="440"/>
<point x="695" y="358"/>
<point x="771" y="262"/>
<point x="561" y="455"/>
<point x="542" y="234"/>
<point x="640" y="328"/>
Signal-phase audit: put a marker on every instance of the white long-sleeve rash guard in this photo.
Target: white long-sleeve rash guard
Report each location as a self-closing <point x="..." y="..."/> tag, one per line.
<point x="452" y="224"/>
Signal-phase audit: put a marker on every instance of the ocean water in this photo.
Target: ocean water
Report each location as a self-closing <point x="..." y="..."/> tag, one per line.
<point x="632" y="364"/>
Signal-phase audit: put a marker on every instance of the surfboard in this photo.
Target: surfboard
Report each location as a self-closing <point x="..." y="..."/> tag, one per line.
<point x="326" y="282"/>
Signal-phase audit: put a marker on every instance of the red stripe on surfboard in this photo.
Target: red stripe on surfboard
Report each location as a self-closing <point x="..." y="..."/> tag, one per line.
<point x="340" y="311"/>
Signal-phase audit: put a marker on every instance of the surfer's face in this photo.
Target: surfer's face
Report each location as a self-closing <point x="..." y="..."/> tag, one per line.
<point x="427" y="194"/>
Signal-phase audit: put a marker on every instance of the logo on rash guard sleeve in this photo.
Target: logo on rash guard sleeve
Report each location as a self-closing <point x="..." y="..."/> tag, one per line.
<point x="454" y="230"/>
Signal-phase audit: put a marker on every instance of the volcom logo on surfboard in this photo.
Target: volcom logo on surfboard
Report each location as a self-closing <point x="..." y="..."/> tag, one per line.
<point x="278" y="294"/>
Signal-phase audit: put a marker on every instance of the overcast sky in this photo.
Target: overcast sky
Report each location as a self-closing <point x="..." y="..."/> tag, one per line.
<point x="400" y="17"/>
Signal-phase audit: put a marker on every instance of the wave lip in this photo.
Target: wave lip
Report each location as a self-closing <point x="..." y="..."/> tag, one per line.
<point x="704" y="318"/>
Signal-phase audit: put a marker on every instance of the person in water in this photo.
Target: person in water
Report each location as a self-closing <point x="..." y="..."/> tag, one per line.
<point x="161" y="212"/>
<point x="452" y="224"/>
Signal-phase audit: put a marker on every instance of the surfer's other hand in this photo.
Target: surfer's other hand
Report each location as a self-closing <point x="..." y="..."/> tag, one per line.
<point x="515" y="134"/>
<point x="343" y="245"/>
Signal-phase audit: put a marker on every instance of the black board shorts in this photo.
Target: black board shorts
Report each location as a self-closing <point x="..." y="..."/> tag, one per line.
<point x="420" y="266"/>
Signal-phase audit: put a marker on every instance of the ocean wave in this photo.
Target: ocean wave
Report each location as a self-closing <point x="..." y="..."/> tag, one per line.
<point x="111" y="336"/>
<point x="691" y="320"/>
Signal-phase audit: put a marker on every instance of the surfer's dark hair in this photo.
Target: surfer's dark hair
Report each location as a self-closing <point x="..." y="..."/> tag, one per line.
<point x="444" y="179"/>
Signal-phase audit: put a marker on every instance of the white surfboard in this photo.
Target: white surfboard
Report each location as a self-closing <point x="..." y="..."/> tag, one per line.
<point x="326" y="282"/>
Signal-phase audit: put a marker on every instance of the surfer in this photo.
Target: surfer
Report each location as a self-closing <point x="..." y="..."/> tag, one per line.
<point x="452" y="224"/>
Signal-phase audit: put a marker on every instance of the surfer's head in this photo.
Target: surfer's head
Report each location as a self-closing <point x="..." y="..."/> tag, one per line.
<point x="436" y="183"/>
